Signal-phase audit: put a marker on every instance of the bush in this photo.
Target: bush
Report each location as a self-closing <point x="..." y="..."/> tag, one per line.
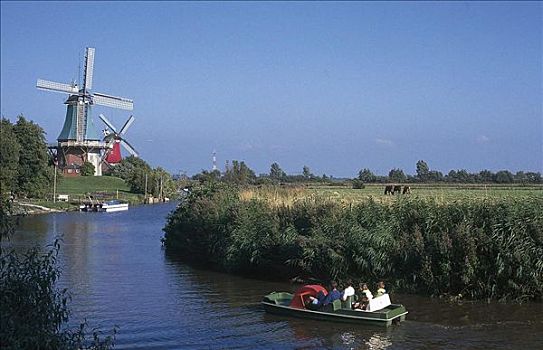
<point x="358" y="184"/>
<point x="87" y="169"/>
<point x="33" y="311"/>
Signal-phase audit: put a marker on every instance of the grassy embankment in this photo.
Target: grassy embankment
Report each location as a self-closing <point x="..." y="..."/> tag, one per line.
<point x="475" y="242"/>
<point x="442" y="193"/>
<point x="100" y="187"/>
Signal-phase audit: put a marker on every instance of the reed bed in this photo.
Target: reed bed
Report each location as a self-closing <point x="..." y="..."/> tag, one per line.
<point x="474" y="247"/>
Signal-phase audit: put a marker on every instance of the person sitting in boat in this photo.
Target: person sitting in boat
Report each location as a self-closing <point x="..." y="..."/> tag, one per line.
<point x="362" y="304"/>
<point x="317" y="303"/>
<point x="333" y="295"/>
<point x="364" y="291"/>
<point x="349" y="291"/>
<point x="381" y="289"/>
<point x="364" y="296"/>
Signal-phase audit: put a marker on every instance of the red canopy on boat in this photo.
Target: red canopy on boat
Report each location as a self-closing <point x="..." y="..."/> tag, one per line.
<point x="304" y="292"/>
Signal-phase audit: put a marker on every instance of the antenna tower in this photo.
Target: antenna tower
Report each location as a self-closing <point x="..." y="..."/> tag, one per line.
<point x="214" y="160"/>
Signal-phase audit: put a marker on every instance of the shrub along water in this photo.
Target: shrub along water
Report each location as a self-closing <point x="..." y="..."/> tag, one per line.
<point x="33" y="310"/>
<point x="477" y="248"/>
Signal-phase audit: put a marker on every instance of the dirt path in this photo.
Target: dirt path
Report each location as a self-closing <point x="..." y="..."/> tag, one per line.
<point x="36" y="209"/>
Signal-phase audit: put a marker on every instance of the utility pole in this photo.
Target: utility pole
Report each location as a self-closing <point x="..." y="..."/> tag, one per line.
<point x="145" y="195"/>
<point x="161" y="188"/>
<point x="55" y="181"/>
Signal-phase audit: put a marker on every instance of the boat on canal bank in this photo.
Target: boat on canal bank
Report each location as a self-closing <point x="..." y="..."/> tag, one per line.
<point x="108" y="206"/>
<point x="381" y="311"/>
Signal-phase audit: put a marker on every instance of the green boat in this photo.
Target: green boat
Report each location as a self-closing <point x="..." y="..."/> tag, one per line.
<point x="381" y="313"/>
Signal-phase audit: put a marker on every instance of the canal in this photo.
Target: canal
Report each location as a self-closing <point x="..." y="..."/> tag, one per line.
<point x="118" y="274"/>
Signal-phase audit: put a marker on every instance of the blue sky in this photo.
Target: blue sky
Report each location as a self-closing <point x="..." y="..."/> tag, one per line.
<point x="335" y="86"/>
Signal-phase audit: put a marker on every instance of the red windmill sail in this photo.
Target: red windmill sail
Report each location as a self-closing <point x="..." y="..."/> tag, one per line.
<point x="114" y="156"/>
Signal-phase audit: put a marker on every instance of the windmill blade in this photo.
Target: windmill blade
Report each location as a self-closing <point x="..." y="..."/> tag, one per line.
<point x="113" y="101"/>
<point x="129" y="148"/>
<point x="57" y="87"/>
<point x="107" y="122"/>
<point x="89" y="69"/>
<point x="104" y="156"/>
<point x="126" y="125"/>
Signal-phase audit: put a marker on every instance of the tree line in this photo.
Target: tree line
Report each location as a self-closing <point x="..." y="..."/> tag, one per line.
<point x="239" y="173"/>
<point x="425" y="175"/>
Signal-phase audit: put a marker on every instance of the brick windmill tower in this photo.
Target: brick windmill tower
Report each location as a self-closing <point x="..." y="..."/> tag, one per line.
<point x="78" y="141"/>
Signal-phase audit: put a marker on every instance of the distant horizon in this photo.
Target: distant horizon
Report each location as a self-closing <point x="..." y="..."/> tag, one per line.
<point x="335" y="86"/>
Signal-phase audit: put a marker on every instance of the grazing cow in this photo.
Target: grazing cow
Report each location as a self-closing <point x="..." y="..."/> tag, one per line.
<point x="397" y="188"/>
<point x="389" y="189"/>
<point x="406" y="190"/>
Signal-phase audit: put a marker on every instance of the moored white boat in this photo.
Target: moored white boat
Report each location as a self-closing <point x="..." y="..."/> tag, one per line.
<point x="108" y="207"/>
<point x="113" y="205"/>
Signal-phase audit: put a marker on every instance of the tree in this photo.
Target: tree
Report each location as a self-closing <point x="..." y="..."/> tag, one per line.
<point x="365" y="175"/>
<point x="422" y="170"/>
<point x="276" y="172"/>
<point x="463" y="176"/>
<point x="358" y="184"/>
<point x="397" y="175"/>
<point x="451" y="176"/>
<point x="486" y="176"/>
<point x="9" y="156"/>
<point x="534" y="178"/>
<point x="504" y="177"/>
<point x="207" y="176"/>
<point x="521" y="177"/>
<point x="307" y="173"/>
<point x="157" y="182"/>
<point x="125" y="168"/>
<point x="435" y="176"/>
<point x="87" y="169"/>
<point x="239" y="173"/>
<point x="33" y="176"/>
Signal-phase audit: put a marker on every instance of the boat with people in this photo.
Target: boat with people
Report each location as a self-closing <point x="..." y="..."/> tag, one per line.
<point x="379" y="310"/>
<point x="108" y="206"/>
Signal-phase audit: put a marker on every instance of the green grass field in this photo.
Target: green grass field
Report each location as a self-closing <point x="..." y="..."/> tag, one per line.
<point x="102" y="187"/>
<point x="84" y="184"/>
<point x="441" y="193"/>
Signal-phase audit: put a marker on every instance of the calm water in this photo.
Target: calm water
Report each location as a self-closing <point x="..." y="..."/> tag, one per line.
<point x="118" y="274"/>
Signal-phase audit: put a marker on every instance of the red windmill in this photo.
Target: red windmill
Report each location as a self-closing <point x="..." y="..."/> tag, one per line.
<point x="114" y="139"/>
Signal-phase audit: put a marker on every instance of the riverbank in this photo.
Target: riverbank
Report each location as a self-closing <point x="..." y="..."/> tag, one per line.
<point x="71" y="192"/>
<point x="476" y="248"/>
<point x="21" y="208"/>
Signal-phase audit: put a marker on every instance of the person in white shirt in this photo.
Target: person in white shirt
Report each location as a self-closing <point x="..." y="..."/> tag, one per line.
<point x="364" y="297"/>
<point x="349" y="291"/>
<point x="364" y="290"/>
<point x="381" y="288"/>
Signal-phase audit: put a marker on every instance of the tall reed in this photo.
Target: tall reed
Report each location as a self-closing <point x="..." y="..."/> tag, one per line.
<point x="477" y="248"/>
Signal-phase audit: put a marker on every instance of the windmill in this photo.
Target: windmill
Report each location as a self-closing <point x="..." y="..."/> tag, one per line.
<point x="114" y="139"/>
<point x="78" y="141"/>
